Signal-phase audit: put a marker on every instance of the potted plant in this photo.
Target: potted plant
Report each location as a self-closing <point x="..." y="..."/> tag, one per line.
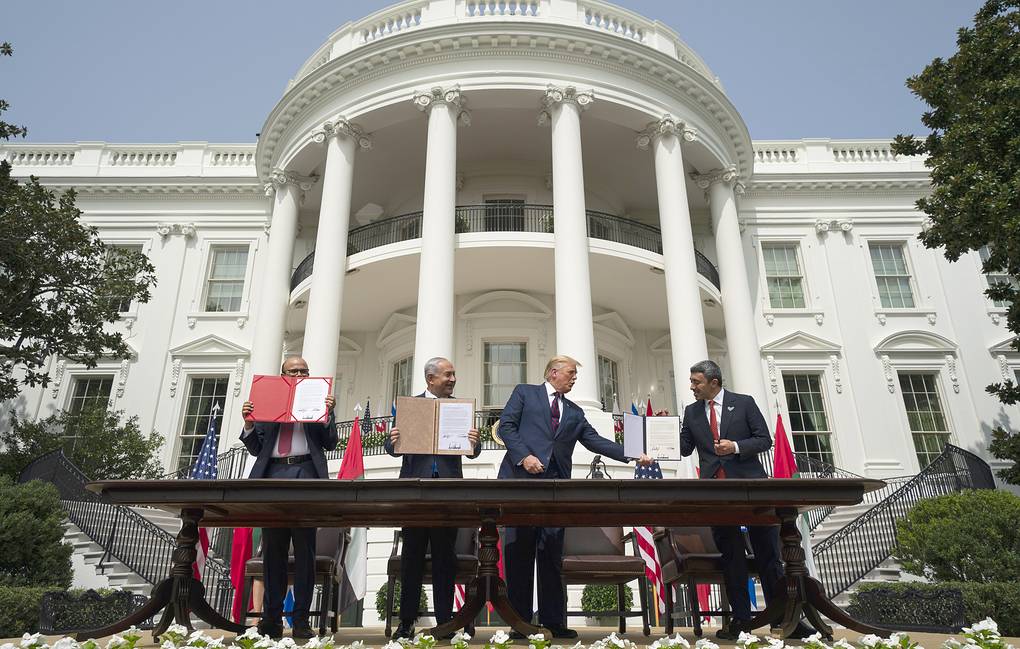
<point x="380" y="601"/>
<point x="599" y="598"/>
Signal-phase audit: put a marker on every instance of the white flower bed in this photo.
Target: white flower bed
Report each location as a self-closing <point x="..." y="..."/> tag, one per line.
<point x="983" y="635"/>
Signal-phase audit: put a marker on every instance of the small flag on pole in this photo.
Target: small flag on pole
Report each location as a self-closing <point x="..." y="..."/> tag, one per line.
<point x="205" y="469"/>
<point x="352" y="467"/>
<point x="646" y="543"/>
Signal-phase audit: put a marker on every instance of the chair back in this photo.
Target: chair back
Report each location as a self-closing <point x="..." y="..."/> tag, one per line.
<point x="693" y="540"/>
<point x="593" y="541"/>
<point x="467" y="541"/>
<point x="329" y="542"/>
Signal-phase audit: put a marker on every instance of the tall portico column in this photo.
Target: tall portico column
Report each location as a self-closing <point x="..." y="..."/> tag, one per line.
<point x="575" y="333"/>
<point x="738" y="310"/>
<point x="683" y="297"/>
<point x="325" y="301"/>
<point x="433" y="335"/>
<point x="274" y="291"/>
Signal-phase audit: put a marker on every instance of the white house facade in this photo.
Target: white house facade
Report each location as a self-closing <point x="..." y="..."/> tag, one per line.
<point x="499" y="182"/>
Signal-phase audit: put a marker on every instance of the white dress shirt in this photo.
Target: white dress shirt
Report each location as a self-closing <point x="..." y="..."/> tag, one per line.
<point x="716" y="402"/>
<point x="551" y="393"/>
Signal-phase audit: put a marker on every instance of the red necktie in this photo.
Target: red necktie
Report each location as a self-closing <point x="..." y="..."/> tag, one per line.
<point x="286" y="436"/>
<point x="555" y="408"/>
<point x="713" y="423"/>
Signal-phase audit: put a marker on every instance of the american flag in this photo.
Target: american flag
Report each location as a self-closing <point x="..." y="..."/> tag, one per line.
<point x="646" y="544"/>
<point x="205" y="469"/>
<point x="459" y="596"/>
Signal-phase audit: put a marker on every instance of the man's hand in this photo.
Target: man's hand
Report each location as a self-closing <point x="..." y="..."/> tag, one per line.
<point x="725" y="447"/>
<point x="533" y="465"/>
<point x="330" y="402"/>
<point x="247" y="408"/>
<point x="394" y="435"/>
<point x="644" y="460"/>
<point x="473" y="437"/>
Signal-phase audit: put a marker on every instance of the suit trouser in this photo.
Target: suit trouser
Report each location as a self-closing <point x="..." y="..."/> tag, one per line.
<point x="527" y="550"/>
<point x="440" y="543"/>
<point x="765" y="544"/>
<point x="276" y="542"/>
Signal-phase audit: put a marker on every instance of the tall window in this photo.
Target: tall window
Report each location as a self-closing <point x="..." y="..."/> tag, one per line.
<point x="996" y="278"/>
<point x="227" y="269"/>
<point x="609" y="386"/>
<point x="809" y="423"/>
<point x="891" y="275"/>
<point x="90" y="392"/>
<point x="123" y="302"/>
<point x="400" y="385"/>
<point x="782" y="272"/>
<point x="203" y="394"/>
<point x="504" y="366"/>
<point x="925" y="416"/>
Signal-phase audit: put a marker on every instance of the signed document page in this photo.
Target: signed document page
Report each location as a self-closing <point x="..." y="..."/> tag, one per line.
<point x="662" y="438"/>
<point x="310" y="399"/>
<point x="456" y="418"/>
<point x="416" y="419"/>
<point x="633" y="435"/>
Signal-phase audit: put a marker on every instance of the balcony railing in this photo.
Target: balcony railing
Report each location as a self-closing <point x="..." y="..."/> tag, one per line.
<point x="505" y="218"/>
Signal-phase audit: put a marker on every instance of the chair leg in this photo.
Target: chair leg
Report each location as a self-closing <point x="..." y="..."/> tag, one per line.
<point x="619" y="606"/>
<point x="645" y="612"/>
<point x="692" y="595"/>
<point x="389" y="606"/>
<point x="334" y="593"/>
<point x="669" y="610"/>
<point x="323" y="604"/>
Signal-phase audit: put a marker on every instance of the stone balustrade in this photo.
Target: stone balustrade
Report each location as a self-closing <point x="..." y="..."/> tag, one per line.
<point x="91" y="159"/>
<point x="823" y="155"/>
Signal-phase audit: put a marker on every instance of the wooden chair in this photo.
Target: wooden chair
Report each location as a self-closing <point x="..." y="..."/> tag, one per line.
<point x="689" y="557"/>
<point x="597" y="555"/>
<point x="467" y="568"/>
<point x="330" y="547"/>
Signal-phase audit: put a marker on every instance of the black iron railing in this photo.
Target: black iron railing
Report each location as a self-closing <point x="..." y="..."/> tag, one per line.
<point x="505" y="218"/>
<point x="143" y="547"/>
<point x="858" y="548"/>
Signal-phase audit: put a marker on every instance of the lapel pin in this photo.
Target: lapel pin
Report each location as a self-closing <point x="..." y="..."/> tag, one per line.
<point x="729" y="407"/>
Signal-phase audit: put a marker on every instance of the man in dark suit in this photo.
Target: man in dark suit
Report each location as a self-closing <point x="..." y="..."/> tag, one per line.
<point x="540" y="427"/>
<point x="729" y="432"/>
<point x="440" y="379"/>
<point x="289" y="451"/>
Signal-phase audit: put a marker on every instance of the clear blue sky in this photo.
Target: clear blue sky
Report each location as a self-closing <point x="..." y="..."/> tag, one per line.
<point x="132" y="71"/>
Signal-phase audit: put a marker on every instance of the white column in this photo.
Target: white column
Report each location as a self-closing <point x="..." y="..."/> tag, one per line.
<point x="738" y="310"/>
<point x="274" y="291"/>
<point x="434" y="328"/>
<point x="683" y="297"/>
<point x="325" y="300"/>
<point x="575" y="333"/>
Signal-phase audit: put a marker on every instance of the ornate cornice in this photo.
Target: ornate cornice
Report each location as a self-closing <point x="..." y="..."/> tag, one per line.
<point x="424" y="100"/>
<point x="705" y="180"/>
<point x="555" y="95"/>
<point x="279" y="178"/>
<point x="340" y="127"/>
<point x="187" y="230"/>
<point x="666" y="125"/>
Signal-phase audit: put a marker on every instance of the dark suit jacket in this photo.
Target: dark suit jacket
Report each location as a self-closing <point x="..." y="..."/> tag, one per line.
<point x="742" y="422"/>
<point x="321" y="438"/>
<point x="526" y="429"/>
<point x="420" y="466"/>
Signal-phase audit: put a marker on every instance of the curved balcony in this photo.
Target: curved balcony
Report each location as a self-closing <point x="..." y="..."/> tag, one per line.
<point x="504" y="218"/>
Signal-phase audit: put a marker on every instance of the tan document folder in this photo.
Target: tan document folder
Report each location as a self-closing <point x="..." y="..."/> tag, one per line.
<point x="418" y="421"/>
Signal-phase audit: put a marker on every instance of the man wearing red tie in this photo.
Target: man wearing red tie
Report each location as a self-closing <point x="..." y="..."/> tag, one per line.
<point x="729" y="432"/>
<point x="288" y="451"/>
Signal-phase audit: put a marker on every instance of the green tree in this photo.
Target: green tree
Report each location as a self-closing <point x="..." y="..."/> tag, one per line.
<point x="968" y="536"/>
<point x="973" y="151"/>
<point x="59" y="284"/>
<point x="7" y="131"/>
<point x="96" y="440"/>
<point x="32" y="552"/>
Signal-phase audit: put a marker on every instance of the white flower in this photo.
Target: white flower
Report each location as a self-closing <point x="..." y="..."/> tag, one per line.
<point x="167" y="644"/>
<point x="392" y="645"/>
<point x="357" y="644"/>
<point x="871" y="640"/>
<point x="8" y="645"/>
<point x="842" y="644"/>
<point x="460" y="636"/>
<point x="63" y="643"/>
<point x="705" y="643"/>
<point x="500" y="637"/>
<point x="577" y="645"/>
<point x="286" y="643"/>
<point x="114" y="642"/>
<point x="32" y="640"/>
<point x="987" y="624"/>
<point x="178" y="629"/>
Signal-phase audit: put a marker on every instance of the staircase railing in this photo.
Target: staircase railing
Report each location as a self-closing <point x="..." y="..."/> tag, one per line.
<point x="862" y="545"/>
<point x="143" y="547"/>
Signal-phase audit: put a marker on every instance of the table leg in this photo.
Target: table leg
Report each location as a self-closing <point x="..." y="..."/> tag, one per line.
<point x="804" y="595"/>
<point x="488" y="587"/>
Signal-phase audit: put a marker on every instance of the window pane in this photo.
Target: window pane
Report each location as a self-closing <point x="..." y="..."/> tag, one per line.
<point x="997" y="277"/>
<point x="808" y="420"/>
<point x="203" y="394"/>
<point x="927" y="421"/>
<point x="783" y="276"/>
<point x="401" y="383"/>
<point x="504" y="365"/>
<point x="90" y="392"/>
<point x="891" y="276"/>
<point x="123" y="302"/>
<point x="225" y="287"/>
<point x="608" y="386"/>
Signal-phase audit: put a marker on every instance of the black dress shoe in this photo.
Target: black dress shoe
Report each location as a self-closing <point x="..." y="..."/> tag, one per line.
<point x="404" y="630"/>
<point x="274" y="631"/>
<point x="801" y="631"/>
<point x="732" y="630"/>
<point x="447" y="636"/>
<point x="563" y="632"/>
<point x="303" y="631"/>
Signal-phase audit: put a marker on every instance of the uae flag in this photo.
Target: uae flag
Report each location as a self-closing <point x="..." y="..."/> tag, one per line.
<point x="352" y="467"/>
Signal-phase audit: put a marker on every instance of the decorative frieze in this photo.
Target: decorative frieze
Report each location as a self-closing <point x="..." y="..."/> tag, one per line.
<point x="341" y="127"/>
<point x="238" y="376"/>
<point x="186" y="230"/>
<point x="666" y="125"/>
<point x="426" y="99"/>
<point x="58" y="377"/>
<point x="837" y="379"/>
<point x="951" y="370"/>
<point x="555" y="95"/>
<point x="122" y="375"/>
<point x="175" y="377"/>
<point x="278" y="178"/>
<point x="887" y="369"/>
<point x="726" y="175"/>
<point x="1004" y="367"/>
<point x="824" y="226"/>
<point x="773" y="375"/>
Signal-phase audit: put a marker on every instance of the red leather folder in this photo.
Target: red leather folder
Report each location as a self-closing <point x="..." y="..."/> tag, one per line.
<point x="273" y="397"/>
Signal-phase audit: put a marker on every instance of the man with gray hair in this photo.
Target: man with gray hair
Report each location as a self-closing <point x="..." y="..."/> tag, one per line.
<point x="440" y="379"/>
<point x="729" y="432"/>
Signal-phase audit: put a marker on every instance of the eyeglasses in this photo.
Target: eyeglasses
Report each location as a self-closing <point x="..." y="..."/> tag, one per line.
<point x="297" y="372"/>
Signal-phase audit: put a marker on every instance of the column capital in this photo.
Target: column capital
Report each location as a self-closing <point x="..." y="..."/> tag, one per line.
<point x="555" y="95"/>
<point x="278" y="178"/>
<point x="727" y="175"/>
<point x="426" y="99"/>
<point x="341" y="127"/>
<point x="665" y="125"/>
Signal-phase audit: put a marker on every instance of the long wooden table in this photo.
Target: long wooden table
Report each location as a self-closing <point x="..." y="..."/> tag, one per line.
<point x="485" y="504"/>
